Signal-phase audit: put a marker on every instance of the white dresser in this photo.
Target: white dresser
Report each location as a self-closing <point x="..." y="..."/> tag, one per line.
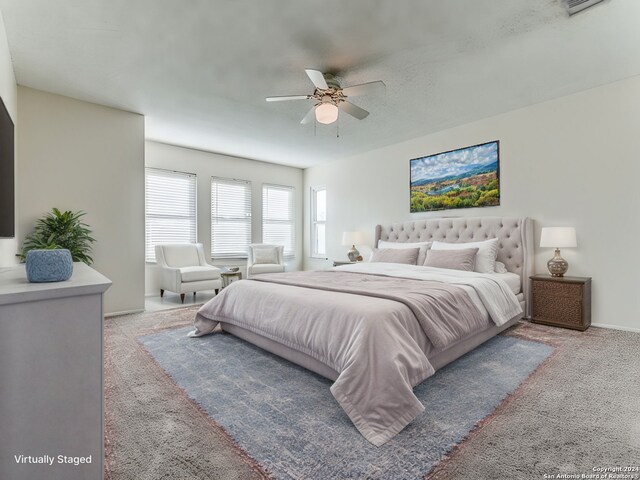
<point x="51" y="389"/>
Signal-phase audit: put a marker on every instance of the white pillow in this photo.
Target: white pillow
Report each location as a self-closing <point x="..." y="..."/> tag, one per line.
<point x="486" y="257"/>
<point x="265" y="255"/>
<point x="501" y="267"/>
<point x="423" y="246"/>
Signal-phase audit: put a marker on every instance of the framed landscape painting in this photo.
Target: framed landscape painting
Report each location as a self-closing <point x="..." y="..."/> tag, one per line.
<point x="464" y="178"/>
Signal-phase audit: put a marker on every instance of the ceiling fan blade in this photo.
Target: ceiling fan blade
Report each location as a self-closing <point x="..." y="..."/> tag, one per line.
<point x="353" y="110"/>
<point x="309" y="116"/>
<point x="363" y="88"/>
<point x="287" y="97"/>
<point x="317" y="78"/>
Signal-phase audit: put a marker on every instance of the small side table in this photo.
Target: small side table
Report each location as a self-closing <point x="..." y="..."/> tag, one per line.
<point x="337" y="263"/>
<point x="561" y="301"/>
<point x="227" y="277"/>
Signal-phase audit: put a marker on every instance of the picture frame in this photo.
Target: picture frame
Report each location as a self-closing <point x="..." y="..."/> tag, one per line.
<point x="467" y="177"/>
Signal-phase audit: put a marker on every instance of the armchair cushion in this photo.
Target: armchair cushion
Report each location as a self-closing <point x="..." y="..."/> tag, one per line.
<point x="265" y="268"/>
<point x="196" y="274"/>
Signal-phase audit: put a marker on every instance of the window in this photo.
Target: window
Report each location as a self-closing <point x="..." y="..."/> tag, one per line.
<point x="318" y="222"/>
<point x="278" y="217"/>
<point x="230" y="217"/>
<point x="170" y="209"/>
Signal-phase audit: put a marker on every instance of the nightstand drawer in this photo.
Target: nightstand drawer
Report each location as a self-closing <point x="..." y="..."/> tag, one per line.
<point x="548" y="309"/>
<point x="554" y="289"/>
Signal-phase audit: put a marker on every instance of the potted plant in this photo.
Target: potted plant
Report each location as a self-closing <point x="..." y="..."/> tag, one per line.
<point x="58" y="239"/>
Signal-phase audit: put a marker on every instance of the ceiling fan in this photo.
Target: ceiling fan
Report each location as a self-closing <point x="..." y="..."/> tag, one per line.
<point x="331" y="98"/>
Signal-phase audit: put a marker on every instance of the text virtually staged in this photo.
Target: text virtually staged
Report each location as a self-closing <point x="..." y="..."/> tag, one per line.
<point x="51" y="459"/>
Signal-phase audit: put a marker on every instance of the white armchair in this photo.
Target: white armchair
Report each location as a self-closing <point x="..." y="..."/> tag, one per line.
<point x="183" y="268"/>
<point x="263" y="258"/>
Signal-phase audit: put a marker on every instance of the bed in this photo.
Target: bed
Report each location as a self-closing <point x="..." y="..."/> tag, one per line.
<point x="378" y="330"/>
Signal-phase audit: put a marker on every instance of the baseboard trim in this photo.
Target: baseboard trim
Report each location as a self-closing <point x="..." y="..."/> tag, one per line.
<point x="125" y="312"/>
<point x="616" y="327"/>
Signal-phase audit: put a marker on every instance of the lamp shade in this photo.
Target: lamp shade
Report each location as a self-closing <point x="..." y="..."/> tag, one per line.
<point x="353" y="238"/>
<point x="326" y="113"/>
<point x="558" y="237"/>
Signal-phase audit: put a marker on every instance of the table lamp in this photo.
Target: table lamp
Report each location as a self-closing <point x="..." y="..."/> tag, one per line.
<point x="353" y="239"/>
<point x="557" y="237"/>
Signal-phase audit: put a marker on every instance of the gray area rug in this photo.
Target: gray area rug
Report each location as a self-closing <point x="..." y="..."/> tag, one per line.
<point x="579" y="410"/>
<point x="286" y="419"/>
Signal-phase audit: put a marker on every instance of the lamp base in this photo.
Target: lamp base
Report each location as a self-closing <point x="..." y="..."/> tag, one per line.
<point x="353" y="254"/>
<point x="557" y="266"/>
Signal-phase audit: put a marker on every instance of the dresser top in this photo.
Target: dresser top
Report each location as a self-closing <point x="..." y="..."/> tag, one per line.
<point x="15" y="288"/>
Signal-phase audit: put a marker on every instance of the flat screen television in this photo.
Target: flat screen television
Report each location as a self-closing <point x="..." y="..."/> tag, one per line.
<point x="7" y="180"/>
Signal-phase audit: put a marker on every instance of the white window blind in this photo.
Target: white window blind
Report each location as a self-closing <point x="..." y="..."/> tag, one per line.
<point x="318" y="222"/>
<point x="230" y="217"/>
<point x="278" y="217"/>
<point x="170" y="209"/>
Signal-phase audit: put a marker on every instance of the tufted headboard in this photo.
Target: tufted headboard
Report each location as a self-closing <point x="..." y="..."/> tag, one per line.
<point x="515" y="248"/>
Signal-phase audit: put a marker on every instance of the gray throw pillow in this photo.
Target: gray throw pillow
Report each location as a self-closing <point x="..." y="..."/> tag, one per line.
<point x="265" y="255"/>
<point x="408" y="256"/>
<point x="463" y="259"/>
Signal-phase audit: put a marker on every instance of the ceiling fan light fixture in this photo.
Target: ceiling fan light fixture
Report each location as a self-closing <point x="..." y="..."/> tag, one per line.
<point x="326" y="113"/>
<point x="329" y="97"/>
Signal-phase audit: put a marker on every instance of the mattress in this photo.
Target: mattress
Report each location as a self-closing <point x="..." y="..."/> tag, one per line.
<point x="512" y="280"/>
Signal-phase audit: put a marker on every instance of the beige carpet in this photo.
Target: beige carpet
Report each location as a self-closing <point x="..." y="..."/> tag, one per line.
<point x="579" y="411"/>
<point x="151" y="430"/>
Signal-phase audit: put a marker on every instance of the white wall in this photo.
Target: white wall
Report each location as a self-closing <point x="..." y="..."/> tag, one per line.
<point x="572" y="161"/>
<point x="75" y="155"/>
<point x="9" y="95"/>
<point x="206" y="165"/>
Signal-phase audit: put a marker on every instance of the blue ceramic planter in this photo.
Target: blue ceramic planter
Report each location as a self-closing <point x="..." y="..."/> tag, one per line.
<point x="49" y="265"/>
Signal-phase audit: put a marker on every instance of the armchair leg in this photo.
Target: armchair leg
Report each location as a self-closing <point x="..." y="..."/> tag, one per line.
<point x="182" y="297"/>
<point x="161" y="293"/>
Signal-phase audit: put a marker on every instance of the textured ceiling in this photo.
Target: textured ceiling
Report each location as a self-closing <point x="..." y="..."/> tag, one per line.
<point x="199" y="69"/>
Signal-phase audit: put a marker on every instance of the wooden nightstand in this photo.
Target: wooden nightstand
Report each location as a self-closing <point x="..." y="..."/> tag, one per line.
<point x="561" y="301"/>
<point x="337" y="263"/>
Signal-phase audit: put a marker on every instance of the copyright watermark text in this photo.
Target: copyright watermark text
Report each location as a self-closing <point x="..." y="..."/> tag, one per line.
<point x="626" y="472"/>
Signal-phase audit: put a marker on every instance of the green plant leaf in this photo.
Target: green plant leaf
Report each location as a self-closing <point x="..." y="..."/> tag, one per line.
<point x="61" y="230"/>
